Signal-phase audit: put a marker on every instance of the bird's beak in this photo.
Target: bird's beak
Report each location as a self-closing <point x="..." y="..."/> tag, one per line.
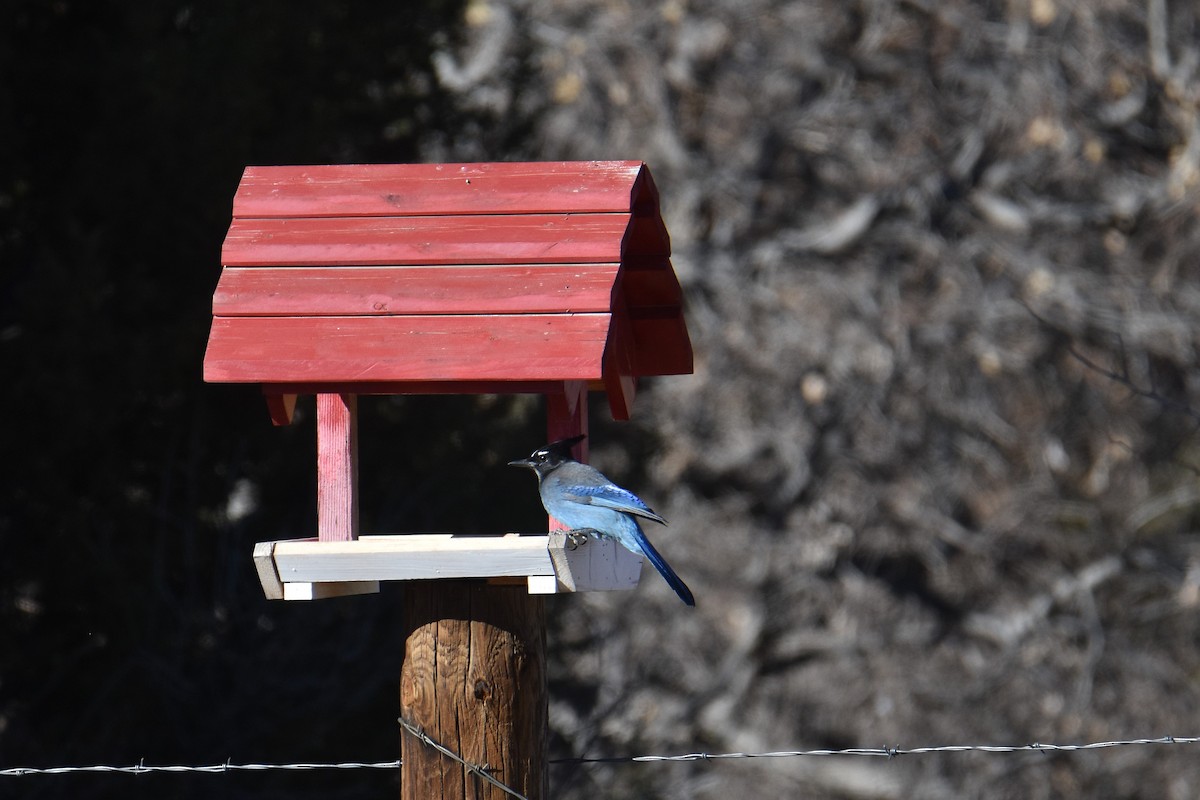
<point x="524" y="462"/>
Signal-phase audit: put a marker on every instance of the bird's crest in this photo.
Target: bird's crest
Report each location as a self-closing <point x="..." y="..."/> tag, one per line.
<point x="547" y="458"/>
<point x="560" y="450"/>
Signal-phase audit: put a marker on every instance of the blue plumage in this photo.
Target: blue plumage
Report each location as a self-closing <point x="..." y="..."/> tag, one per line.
<point x="580" y="497"/>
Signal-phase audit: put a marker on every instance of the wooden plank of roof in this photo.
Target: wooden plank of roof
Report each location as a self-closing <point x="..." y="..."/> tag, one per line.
<point x="423" y="189"/>
<point x="370" y="241"/>
<point x="342" y="291"/>
<point x="522" y="347"/>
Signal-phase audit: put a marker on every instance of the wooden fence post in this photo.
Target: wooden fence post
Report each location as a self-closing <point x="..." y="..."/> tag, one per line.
<point x="474" y="681"/>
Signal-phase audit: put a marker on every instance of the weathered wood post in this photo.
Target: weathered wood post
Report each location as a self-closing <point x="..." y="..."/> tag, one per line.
<point x="545" y="278"/>
<point x="473" y="680"/>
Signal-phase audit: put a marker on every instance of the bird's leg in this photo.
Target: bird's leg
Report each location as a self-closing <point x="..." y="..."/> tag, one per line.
<point x="579" y="536"/>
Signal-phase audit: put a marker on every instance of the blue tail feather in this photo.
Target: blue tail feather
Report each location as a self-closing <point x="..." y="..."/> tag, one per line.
<point x="664" y="569"/>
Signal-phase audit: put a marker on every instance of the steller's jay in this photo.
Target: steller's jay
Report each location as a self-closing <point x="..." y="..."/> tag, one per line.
<point x="583" y="499"/>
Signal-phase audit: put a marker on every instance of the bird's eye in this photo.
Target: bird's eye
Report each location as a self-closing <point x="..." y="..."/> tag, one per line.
<point x="541" y="454"/>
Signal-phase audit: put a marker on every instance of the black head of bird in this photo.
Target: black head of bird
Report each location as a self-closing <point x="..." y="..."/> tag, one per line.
<point x="547" y="458"/>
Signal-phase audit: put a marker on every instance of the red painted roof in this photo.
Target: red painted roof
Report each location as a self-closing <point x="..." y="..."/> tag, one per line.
<point x="447" y="278"/>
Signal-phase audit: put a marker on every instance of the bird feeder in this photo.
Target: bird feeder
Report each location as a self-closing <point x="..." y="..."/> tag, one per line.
<point x="347" y="280"/>
<point x="553" y="279"/>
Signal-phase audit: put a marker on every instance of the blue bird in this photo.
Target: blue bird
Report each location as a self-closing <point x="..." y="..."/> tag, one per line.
<point x="580" y="497"/>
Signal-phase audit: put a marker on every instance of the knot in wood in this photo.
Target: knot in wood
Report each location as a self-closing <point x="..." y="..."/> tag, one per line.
<point x="483" y="690"/>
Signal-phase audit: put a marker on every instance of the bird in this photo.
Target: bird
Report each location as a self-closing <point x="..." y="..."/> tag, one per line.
<point x="580" y="497"/>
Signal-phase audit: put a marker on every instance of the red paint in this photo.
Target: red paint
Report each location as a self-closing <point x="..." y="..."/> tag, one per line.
<point x="459" y="240"/>
<point x="447" y="277"/>
<point x="661" y="344"/>
<point x="439" y="189"/>
<point x="382" y="291"/>
<point x="470" y="347"/>
<point x="337" y="467"/>
<point x="422" y="387"/>
<point x="281" y="406"/>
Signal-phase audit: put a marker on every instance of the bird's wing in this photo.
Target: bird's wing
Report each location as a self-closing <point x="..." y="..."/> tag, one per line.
<point x="609" y="495"/>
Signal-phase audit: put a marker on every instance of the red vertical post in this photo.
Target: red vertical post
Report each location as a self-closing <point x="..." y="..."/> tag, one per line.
<point x="567" y="416"/>
<point x="337" y="467"/>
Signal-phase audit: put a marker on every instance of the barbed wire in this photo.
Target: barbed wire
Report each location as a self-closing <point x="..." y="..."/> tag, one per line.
<point x="877" y="752"/>
<point x="891" y="752"/>
<point x="141" y="768"/>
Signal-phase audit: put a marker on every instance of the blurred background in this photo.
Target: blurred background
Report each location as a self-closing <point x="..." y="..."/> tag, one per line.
<point x="936" y="479"/>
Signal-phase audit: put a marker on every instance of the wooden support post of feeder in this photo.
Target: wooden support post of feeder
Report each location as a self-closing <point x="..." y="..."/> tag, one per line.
<point x="552" y="279"/>
<point x="473" y="680"/>
<point x="337" y="467"/>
